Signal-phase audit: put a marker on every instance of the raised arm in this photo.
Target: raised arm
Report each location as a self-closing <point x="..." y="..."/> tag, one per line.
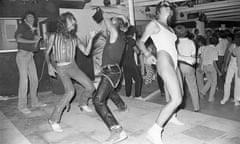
<point x="110" y="27"/>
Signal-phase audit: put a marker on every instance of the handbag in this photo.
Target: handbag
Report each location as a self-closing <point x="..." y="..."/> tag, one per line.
<point x="98" y="15"/>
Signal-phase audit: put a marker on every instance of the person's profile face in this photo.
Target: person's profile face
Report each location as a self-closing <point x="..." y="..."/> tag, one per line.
<point x="71" y="24"/>
<point x="30" y="19"/>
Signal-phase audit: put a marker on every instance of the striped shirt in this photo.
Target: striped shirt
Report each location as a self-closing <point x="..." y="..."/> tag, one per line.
<point x="64" y="50"/>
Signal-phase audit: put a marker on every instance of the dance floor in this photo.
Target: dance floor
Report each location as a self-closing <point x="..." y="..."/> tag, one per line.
<point x="87" y="128"/>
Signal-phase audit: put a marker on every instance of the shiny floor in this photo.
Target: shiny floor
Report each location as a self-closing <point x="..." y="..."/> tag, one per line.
<point x="228" y="110"/>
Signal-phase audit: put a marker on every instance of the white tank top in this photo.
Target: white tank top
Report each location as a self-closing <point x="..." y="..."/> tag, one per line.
<point x="165" y="40"/>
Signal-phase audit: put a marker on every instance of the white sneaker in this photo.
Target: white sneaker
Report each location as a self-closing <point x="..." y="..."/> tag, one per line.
<point x="55" y="126"/>
<point x="236" y="103"/>
<point x="117" y="135"/>
<point x="139" y="98"/>
<point x="175" y="121"/>
<point x="86" y="108"/>
<point x="223" y="101"/>
<point x="154" y="134"/>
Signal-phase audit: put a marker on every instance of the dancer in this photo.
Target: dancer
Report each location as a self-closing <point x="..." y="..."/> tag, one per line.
<point x="63" y="46"/>
<point x="110" y="77"/>
<point x="164" y="40"/>
<point x="27" y="39"/>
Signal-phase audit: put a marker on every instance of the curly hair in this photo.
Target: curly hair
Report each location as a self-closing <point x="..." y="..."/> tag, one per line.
<point x="62" y="25"/>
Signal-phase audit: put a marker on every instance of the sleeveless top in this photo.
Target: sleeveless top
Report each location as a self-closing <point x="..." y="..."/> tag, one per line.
<point x="64" y="49"/>
<point x="165" y="40"/>
<point x="112" y="52"/>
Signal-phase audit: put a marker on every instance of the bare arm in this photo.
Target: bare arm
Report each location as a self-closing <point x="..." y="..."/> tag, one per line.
<point x="110" y="27"/>
<point x="150" y="29"/>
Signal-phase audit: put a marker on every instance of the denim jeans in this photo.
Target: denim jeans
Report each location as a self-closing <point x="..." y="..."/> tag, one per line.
<point x="66" y="73"/>
<point x="106" y="89"/>
<point x="27" y="71"/>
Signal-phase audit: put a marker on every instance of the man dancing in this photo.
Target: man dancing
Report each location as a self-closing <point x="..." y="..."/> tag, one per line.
<point x="110" y="77"/>
<point x="63" y="46"/>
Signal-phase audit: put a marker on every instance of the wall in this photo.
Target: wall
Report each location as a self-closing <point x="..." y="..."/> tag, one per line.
<point x="8" y="68"/>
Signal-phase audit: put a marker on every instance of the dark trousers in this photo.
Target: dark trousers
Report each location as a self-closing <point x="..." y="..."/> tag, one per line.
<point x="132" y="72"/>
<point x="160" y="84"/>
<point x="106" y="89"/>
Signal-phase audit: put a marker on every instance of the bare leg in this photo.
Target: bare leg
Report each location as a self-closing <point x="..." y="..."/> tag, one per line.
<point x="171" y="80"/>
<point x="167" y="71"/>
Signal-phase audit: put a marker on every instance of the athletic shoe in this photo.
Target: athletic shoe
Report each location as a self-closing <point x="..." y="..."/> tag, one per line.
<point x="39" y="104"/>
<point x="154" y="134"/>
<point x="223" y="101"/>
<point x="139" y="98"/>
<point x="55" y="126"/>
<point x="175" y="121"/>
<point x="117" y="135"/>
<point x="25" y="111"/>
<point x="86" y="108"/>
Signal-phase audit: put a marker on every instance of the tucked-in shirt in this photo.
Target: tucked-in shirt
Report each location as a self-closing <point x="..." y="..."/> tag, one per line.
<point x="26" y="33"/>
<point x="186" y="47"/>
<point x="209" y="55"/>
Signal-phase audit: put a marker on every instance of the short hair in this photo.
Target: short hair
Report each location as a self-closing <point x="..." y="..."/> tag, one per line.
<point x="30" y="13"/>
<point x="172" y="18"/>
<point x="201" y="39"/>
<point x="213" y="40"/>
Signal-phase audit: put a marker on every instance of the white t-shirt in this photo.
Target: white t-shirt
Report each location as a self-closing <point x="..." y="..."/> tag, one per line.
<point x="186" y="47"/>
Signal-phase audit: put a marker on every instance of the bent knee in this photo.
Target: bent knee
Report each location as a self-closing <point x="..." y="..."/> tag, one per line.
<point x="176" y="101"/>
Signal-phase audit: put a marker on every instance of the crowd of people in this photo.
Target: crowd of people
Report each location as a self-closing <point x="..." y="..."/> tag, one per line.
<point x="172" y="55"/>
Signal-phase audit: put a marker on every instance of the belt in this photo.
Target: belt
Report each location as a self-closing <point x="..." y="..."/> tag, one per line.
<point x="63" y="63"/>
<point x="110" y="66"/>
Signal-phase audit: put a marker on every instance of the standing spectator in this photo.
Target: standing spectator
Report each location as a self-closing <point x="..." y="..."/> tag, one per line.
<point x="27" y="39"/>
<point x="209" y="66"/>
<point x="130" y="69"/>
<point x="232" y="72"/>
<point x="187" y="48"/>
<point x="201" y="44"/>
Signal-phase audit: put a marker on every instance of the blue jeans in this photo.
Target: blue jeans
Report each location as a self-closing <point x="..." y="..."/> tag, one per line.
<point x="106" y="89"/>
<point x="66" y="73"/>
<point x="27" y="71"/>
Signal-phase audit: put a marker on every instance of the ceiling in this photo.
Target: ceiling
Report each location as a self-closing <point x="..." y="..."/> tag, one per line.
<point x="222" y="10"/>
<point x="226" y="10"/>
